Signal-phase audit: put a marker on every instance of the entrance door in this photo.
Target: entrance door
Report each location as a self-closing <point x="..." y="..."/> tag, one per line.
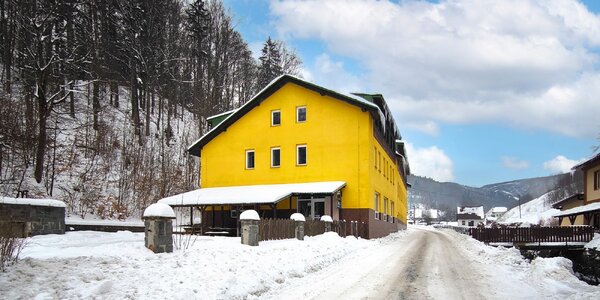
<point x="311" y="208"/>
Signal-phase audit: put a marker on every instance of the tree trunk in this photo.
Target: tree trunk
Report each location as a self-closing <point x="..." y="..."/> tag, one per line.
<point x="41" y="140"/>
<point x="135" y="107"/>
<point x="72" y="100"/>
<point x="96" y="103"/>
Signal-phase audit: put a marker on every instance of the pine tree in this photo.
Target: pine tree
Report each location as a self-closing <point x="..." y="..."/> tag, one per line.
<point x="270" y="63"/>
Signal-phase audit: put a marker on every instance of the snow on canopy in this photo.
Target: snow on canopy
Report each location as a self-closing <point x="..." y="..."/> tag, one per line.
<point x="159" y="210"/>
<point x="298" y="217"/>
<point x="579" y="209"/>
<point x="250" y="214"/>
<point x="29" y="201"/>
<point x="251" y="194"/>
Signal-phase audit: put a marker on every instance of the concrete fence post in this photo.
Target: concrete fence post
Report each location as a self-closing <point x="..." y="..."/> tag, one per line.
<point x="158" y="227"/>
<point x="250" y="230"/>
<point x="328" y="222"/>
<point x="299" y="222"/>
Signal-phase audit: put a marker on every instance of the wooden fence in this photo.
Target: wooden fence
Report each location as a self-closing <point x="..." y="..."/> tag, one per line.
<point x="277" y="229"/>
<point x="553" y="234"/>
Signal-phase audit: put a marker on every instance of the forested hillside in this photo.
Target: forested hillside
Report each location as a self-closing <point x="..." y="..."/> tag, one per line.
<point x="446" y="196"/>
<point x="100" y="98"/>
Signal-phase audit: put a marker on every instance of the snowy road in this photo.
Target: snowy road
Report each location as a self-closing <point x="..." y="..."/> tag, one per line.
<point x="425" y="264"/>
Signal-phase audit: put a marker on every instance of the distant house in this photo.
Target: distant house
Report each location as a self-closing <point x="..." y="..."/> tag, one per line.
<point x="299" y="147"/>
<point x="588" y="211"/>
<point x="469" y="216"/>
<point x="494" y="213"/>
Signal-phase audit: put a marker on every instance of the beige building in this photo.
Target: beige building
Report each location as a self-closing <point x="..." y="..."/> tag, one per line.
<point x="586" y="212"/>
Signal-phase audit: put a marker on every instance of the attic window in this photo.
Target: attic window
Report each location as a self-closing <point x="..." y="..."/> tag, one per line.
<point x="275" y="117"/>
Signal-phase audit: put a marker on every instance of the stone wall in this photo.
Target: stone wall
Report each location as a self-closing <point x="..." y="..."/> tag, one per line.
<point x="28" y="220"/>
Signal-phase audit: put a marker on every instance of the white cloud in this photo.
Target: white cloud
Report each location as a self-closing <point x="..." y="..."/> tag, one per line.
<point x="431" y="162"/>
<point x="526" y="63"/>
<point x="561" y="164"/>
<point x="514" y="163"/>
<point x="428" y="127"/>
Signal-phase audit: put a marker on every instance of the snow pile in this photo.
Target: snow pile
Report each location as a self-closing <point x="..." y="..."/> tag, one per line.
<point x="29" y="201"/>
<point x="95" y="220"/>
<point x="594" y="243"/>
<point x="535" y="211"/>
<point x="298" y="217"/>
<point x="327" y="219"/>
<point x="249" y="215"/>
<point x="117" y="265"/>
<point x="159" y="210"/>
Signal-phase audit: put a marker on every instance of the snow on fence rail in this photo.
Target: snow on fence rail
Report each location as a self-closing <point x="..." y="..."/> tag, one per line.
<point x="533" y="234"/>
<point x="277" y="229"/>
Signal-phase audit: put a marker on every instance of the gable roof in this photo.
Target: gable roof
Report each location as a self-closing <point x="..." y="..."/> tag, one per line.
<point x="269" y="90"/>
<point x="588" y="163"/>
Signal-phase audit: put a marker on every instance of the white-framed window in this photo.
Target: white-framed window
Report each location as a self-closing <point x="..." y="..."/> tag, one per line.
<point x="392" y="211"/>
<point x="301" y="154"/>
<point x="385" y="207"/>
<point x="250" y="159"/>
<point x="276" y="117"/>
<point x="375" y="151"/>
<point x="597" y="180"/>
<point x="233" y="213"/>
<point x="275" y="157"/>
<point x="376" y="205"/>
<point x="463" y="222"/>
<point x="301" y="114"/>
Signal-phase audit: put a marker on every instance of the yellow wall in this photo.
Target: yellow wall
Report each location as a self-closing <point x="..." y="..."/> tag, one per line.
<point x="578" y="221"/>
<point x="590" y="194"/>
<point x="387" y="181"/>
<point x="340" y="146"/>
<point x="333" y="132"/>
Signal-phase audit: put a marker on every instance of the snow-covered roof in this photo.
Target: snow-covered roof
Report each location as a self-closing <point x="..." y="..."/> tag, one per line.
<point x="499" y="209"/>
<point x="29" y="201"/>
<point x="251" y="194"/>
<point x="159" y="210"/>
<point x="476" y="210"/>
<point x="221" y="114"/>
<point x="579" y="210"/>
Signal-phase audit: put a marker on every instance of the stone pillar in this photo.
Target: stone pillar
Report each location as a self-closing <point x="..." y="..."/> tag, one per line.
<point x="299" y="222"/>
<point x="250" y="230"/>
<point x="328" y="222"/>
<point x="158" y="228"/>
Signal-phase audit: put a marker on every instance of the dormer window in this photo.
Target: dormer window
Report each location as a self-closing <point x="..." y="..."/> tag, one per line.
<point x="301" y="114"/>
<point x="275" y="117"/>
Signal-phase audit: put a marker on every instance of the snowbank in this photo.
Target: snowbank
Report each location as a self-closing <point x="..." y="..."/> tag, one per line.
<point x="117" y="265"/>
<point x="594" y="243"/>
<point x="533" y="212"/>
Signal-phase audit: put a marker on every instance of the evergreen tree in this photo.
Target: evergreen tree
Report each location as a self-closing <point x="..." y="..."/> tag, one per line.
<point x="270" y="63"/>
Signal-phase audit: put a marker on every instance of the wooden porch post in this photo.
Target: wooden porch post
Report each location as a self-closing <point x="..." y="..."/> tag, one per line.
<point x="191" y="216"/>
<point x="274" y="208"/>
<point x="212" y="207"/>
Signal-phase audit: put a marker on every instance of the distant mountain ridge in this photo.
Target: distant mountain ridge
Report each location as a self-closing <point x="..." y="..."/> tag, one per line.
<point x="446" y="196"/>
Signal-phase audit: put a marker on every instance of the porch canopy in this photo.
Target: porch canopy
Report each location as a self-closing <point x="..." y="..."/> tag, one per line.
<point x="251" y="194"/>
<point x="588" y="211"/>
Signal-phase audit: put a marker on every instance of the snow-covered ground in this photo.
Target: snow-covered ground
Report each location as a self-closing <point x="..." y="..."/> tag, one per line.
<point x="102" y="265"/>
<point x="535" y="212"/>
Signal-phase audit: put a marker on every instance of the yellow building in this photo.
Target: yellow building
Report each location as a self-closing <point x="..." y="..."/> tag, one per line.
<point x="299" y="147"/>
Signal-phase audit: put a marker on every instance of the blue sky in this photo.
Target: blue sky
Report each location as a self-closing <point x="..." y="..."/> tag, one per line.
<point x="483" y="91"/>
